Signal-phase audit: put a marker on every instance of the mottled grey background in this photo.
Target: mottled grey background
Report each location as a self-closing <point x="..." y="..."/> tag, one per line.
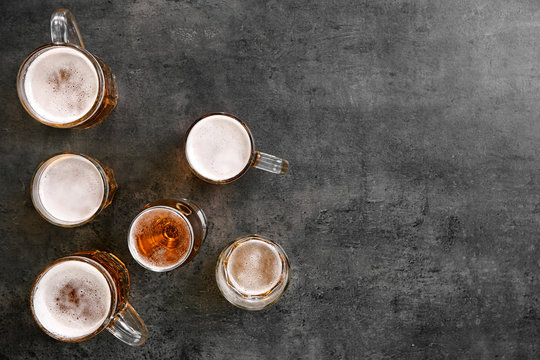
<point x="411" y="212"/>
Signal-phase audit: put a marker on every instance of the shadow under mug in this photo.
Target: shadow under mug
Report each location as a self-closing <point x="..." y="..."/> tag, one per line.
<point x="205" y="144"/>
<point x="65" y="35"/>
<point x="86" y="289"/>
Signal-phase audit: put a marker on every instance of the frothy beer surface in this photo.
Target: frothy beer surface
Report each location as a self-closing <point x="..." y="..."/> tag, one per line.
<point x="71" y="188"/>
<point x="72" y="299"/>
<point x="218" y="147"/>
<point x="254" y="267"/>
<point x="61" y="85"/>
<point x="160" y="239"/>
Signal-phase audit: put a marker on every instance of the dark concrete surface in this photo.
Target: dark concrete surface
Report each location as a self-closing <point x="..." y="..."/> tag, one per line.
<point x="411" y="211"/>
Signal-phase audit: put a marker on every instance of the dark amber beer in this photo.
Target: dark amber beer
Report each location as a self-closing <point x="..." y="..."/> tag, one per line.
<point x="167" y="234"/>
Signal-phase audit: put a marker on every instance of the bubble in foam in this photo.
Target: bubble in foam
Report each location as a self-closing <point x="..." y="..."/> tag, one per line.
<point x="61" y="85"/>
<point x="71" y="188"/>
<point x="72" y="299"/>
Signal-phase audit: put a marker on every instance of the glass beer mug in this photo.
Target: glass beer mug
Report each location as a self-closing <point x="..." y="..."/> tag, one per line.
<point x="70" y="189"/>
<point x="167" y="234"/>
<point x="62" y="84"/>
<point x="220" y="149"/>
<point x="78" y="296"/>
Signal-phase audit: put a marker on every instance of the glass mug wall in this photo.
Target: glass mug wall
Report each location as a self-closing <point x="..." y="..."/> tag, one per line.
<point x="219" y="149"/>
<point x="252" y="273"/>
<point x="167" y="234"/>
<point x="78" y="296"/>
<point x="70" y="189"/>
<point x="62" y="84"/>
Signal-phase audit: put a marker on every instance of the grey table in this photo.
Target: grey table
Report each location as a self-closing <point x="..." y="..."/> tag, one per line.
<point x="411" y="211"/>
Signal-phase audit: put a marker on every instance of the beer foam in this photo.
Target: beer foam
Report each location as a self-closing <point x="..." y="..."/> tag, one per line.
<point x="72" y="299"/>
<point x="218" y="147"/>
<point x="71" y="188"/>
<point x="254" y="267"/>
<point x="148" y="244"/>
<point x="61" y="85"/>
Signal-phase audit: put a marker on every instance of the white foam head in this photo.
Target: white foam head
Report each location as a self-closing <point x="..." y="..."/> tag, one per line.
<point x="72" y="299"/>
<point x="254" y="267"/>
<point x="70" y="188"/>
<point x="61" y="85"/>
<point x="218" y="147"/>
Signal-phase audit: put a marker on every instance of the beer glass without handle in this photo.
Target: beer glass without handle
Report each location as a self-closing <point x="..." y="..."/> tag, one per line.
<point x="252" y="273"/>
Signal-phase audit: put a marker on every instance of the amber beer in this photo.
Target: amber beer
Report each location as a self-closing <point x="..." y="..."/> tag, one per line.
<point x="78" y="296"/>
<point x="167" y="234"/>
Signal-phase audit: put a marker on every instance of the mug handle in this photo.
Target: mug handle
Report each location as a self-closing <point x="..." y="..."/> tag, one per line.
<point x="128" y="326"/>
<point x="64" y="29"/>
<point x="270" y="163"/>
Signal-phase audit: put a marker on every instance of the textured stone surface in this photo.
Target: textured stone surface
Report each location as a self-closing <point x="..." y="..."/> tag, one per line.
<point x="411" y="211"/>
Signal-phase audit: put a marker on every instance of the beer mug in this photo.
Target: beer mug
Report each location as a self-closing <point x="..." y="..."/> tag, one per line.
<point x="219" y="149"/>
<point x="70" y="189"/>
<point x="167" y="234"/>
<point x="78" y="296"/>
<point x="252" y="273"/>
<point x="61" y="84"/>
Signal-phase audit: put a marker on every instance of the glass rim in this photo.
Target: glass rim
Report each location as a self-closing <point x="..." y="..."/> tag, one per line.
<point x="112" y="288"/>
<point x="251" y="155"/>
<point x="36" y="201"/>
<point x="134" y="251"/>
<point x="21" y="93"/>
